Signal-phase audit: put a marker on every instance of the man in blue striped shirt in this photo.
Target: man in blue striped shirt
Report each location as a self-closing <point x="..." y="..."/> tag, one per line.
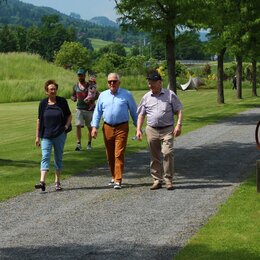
<point x="114" y="105"/>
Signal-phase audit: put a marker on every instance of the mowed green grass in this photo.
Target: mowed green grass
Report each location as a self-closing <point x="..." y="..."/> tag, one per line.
<point x="232" y="234"/>
<point x="19" y="158"/>
<point x="98" y="43"/>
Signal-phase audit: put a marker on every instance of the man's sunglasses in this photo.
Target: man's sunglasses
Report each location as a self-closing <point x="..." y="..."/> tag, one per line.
<point x="112" y="81"/>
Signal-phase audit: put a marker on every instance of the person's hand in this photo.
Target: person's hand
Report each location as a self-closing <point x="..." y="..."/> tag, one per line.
<point x="86" y="100"/>
<point x="73" y="98"/>
<point x="177" y="130"/>
<point x="139" y="135"/>
<point x="94" y="132"/>
<point x="37" y="142"/>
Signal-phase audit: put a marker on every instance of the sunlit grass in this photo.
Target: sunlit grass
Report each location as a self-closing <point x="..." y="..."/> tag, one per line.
<point x="233" y="233"/>
<point x="19" y="158"/>
<point x="98" y="43"/>
<point x="22" y="77"/>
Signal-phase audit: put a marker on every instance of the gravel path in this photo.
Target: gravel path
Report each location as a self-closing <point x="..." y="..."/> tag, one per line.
<point x="89" y="220"/>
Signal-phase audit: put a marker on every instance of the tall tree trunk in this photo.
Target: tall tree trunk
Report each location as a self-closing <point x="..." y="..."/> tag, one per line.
<point x="170" y="55"/>
<point x="254" y="93"/>
<point x="239" y="76"/>
<point x="220" y="76"/>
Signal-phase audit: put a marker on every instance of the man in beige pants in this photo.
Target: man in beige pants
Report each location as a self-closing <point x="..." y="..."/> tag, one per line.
<point x="160" y="105"/>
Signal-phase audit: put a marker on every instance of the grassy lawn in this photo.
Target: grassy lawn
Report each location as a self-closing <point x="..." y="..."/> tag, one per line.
<point x="19" y="158"/>
<point x="232" y="234"/>
<point x="98" y="43"/>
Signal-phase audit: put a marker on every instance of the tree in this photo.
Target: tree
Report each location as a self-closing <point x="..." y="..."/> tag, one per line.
<point x="245" y="21"/>
<point x="252" y="39"/>
<point x="21" y="38"/>
<point x="109" y="62"/>
<point x="73" y="55"/>
<point x="34" y="41"/>
<point x="216" y="16"/>
<point x="8" y="40"/>
<point x="54" y="34"/>
<point x="135" y="65"/>
<point x="189" y="46"/>
<point x="161" y="18"/>
<point x="115" y="48"/>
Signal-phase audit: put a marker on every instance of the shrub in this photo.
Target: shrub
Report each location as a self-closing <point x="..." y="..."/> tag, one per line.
<point x="206" y="70"/>
<point x="72" y="55"/>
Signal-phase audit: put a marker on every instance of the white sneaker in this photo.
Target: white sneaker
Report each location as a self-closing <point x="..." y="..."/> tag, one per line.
<point x="111" y="183"/>
<point x="89" y="147"/>
<point x="117" y="186"/>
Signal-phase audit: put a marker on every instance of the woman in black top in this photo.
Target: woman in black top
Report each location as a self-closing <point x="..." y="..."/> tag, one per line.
<point x="54" y="118"/>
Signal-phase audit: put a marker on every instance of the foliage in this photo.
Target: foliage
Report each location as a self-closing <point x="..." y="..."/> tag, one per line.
<point x="72" y="55"/>
<point x="135" y="65"/>
<point x="181" y="69"/>
<point x="230" y="71"/>
<point x="8" y="40"/>
<point x="189" y="46"/>
<point x="15" y="12"/>
<point x="109" y="62"/>
<point x="22" y="75"/>
<point x="206" y="69"/>
<point x="54" y="34"/>
<point x="44" y="40"/>
<point x="115" y="48"/>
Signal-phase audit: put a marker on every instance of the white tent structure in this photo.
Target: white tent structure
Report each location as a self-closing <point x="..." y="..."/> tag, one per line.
<point x="193" y="83"/>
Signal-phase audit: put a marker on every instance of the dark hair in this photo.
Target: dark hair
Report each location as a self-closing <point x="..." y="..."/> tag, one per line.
<point x="49" y="82"/>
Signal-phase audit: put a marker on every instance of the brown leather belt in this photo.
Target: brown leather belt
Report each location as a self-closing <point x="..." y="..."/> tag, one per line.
<point x="115" y="124"/>
<point x="160" y="127"/>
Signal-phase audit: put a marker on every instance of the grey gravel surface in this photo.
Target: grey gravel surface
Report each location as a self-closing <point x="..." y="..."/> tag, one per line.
<point x="89" y="220"/>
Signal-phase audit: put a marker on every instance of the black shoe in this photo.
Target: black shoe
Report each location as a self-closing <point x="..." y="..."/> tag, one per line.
<point x="57" y="186"/>
<point x="40" y="185"/>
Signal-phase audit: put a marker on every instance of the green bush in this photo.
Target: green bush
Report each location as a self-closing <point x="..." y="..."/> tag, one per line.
<point x="206" y="70"/>
<point x="73" y="55"/>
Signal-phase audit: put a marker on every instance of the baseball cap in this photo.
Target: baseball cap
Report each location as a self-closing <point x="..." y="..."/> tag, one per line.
<point x="81" y="71"/>
<point x="153" y="75"/>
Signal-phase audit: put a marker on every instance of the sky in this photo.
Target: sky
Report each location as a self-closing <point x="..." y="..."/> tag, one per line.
<point x="87" y="9"/>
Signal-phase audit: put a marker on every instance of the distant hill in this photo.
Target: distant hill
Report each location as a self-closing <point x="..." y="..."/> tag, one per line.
<point x="17" y="13"/>
<point x="104" y="21"/>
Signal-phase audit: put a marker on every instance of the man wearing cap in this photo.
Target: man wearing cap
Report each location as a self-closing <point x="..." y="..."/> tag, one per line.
<point x="114" y="105"/>
<point x="160" y="105"/>
<point x="84" y="111"/>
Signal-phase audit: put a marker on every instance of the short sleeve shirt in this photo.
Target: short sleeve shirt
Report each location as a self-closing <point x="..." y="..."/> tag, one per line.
<point x="159" y="109"/>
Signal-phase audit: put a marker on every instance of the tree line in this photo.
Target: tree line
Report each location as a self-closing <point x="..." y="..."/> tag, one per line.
<point x="67" y="48"/>
<point x="17" y="13"/>
<point x="233" y="24"/>
<point x="166" y="30"/>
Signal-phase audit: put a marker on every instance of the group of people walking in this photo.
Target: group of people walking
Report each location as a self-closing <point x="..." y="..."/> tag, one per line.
<point x="115" y="106"/>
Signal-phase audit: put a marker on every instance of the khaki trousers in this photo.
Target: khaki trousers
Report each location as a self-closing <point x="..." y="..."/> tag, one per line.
<point x="115" y="139"/>
<point x="160" y="142"/>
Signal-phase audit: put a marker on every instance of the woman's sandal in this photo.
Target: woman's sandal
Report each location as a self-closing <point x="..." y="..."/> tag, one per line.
<point x="40" y="185"/>
<point x="57" y="186"/>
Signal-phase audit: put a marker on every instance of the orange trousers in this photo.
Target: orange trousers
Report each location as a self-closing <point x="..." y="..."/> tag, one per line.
<point x="115" y="139"/>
